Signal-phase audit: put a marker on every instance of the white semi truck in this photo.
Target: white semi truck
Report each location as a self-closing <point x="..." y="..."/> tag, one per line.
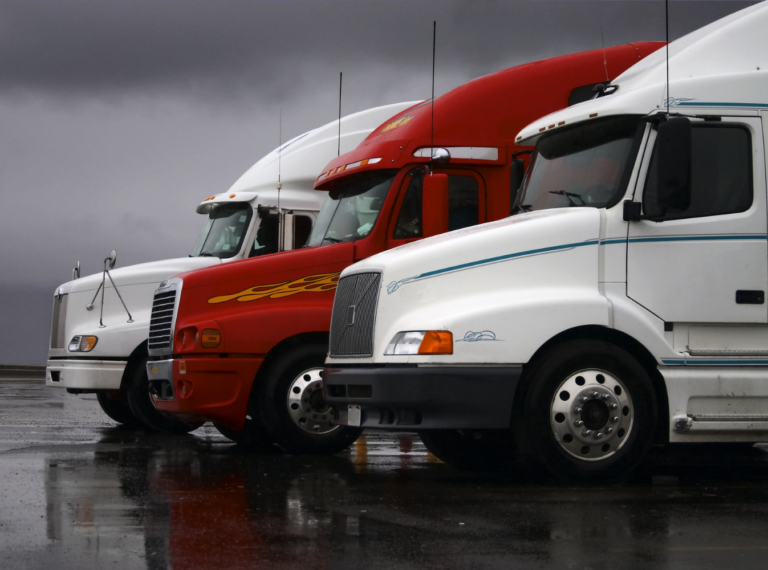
<point x="100" y="322"/>
<point x="623" y="305"/>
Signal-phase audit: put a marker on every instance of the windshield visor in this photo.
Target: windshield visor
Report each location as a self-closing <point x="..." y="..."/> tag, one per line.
<point x="588" y="165"/>
<point x="224" y="230"/>
<point x="352" y="208"/>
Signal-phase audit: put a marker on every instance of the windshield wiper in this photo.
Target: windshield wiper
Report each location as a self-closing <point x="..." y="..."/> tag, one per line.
<point x="205" y="254"/>
<point x="568" y="196"/>
<point x="332" y="240"/>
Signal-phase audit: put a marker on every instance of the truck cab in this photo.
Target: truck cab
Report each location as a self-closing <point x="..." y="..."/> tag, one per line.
<point x="623" y="304"/>
<point x="101" y="322"/>
<point x="246" y="343"/>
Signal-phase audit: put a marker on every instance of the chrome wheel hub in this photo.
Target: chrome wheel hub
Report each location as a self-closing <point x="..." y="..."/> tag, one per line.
<point x="591" y="414"/>
<point x="306" y="405"/>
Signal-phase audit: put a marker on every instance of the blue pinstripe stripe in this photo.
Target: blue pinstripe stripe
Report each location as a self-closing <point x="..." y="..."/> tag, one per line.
<point x="712" y="362"/>
<point x="715" y="104"/>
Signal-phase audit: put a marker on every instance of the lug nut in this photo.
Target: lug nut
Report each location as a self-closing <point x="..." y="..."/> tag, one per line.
<point x="586" y="432"/>
<point x="614" y="406"/>
<point x="595" y="394"/>
<point x="615" y="419"/>
<point x="609" y="430"/>
<point x="577" y="410"/>
<point x="579" y="423"/>
<point x="598" y="435"/>
<point x="605" y="396"/>
<point x="584" y="399"/>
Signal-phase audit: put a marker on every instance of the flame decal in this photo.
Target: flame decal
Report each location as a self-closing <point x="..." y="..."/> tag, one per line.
<point x="309" y="284"/>
<point x="397" y="123"/>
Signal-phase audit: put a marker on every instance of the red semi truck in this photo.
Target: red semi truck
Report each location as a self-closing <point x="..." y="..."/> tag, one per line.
<point x="243" y="344"/>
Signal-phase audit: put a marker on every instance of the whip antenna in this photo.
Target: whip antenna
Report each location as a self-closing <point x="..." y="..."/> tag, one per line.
<point x="339" y="149"/>
<point x="666" y="9"/>
<point x="605" y="58"/>
<point x="432" y="128"/>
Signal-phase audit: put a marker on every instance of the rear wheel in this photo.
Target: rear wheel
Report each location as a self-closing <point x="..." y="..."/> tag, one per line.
<point x="114" y="403"/>
<point x="292" y="408"/>
<point x="589" y="412"/>
<point x="143" y="407"/>
<point x="467" y="449"/>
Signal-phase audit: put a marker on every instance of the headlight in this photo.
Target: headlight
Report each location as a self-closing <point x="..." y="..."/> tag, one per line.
<point x="420" y="342"/>
<point x="211" y="338"/>
<point x="82" y="343"/>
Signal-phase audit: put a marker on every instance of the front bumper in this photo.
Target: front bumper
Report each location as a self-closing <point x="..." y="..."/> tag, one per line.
<point x="210" y="389"/>
<point x="85" y="374"/>
<point x="419" y="398"/>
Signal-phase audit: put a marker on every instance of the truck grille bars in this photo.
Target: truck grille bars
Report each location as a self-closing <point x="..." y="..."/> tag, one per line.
<point x="161" y="323"/>
<point x="354" y="312"/>
<point x="59" y="319"/>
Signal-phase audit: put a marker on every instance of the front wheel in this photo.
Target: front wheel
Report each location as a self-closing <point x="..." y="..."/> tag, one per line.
<point x="143" y="407"/>
<point x="114" y="403"/>
<point x="589" y="412"/>
<point x="292" y="408"/>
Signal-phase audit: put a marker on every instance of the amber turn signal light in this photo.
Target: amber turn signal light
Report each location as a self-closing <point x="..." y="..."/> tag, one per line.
<point x="437" y="342"/>
<point x="211" y="338"/>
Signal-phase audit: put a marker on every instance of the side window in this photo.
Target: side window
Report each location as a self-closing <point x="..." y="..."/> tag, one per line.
<point x="463" y="209"/>
<point x="302" y="227"/>
<point x="721" y="174"/>
<point x="267" y="238"/>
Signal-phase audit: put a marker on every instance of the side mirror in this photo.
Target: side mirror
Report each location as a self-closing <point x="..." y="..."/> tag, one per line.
<point x="112" y="259"/>
<point x="434" y="205"/>
<point x="516" y="174"/>
<point x="673" y="151"/>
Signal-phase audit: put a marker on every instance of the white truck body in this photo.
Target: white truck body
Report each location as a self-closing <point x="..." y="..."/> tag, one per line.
<point x="297" y="162"/>
<point x="687" y="290"/>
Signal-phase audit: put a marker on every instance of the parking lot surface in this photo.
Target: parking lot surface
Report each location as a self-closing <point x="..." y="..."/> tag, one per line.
<point x="79" y="492"/>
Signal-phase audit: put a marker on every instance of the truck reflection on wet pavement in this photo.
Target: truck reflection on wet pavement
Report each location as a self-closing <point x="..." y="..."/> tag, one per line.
<point x="79" y="493"/>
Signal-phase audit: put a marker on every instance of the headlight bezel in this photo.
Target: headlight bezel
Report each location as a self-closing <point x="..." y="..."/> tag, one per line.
<point x="420" y="343"/>
<point x="82" y="343"/>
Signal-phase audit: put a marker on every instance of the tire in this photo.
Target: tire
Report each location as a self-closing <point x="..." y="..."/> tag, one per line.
<point x="253" y="437"/>
<point x="114" y="403"/>
<point x="472" y="450"/>
<point x="618" y="418"/>
<point x="295" y="381"/>
<point x="143" y="408"/>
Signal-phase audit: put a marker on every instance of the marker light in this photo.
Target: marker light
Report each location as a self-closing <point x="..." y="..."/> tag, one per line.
<point x="211" y="338"/>
<point x="82" y="343"/>
<point x="420" y="342"/>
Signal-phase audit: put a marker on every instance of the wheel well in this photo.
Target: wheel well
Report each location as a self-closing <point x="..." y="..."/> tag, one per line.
<point x="134" y="360"/>
<point x="284" y="347"/>
<point x="632" y="346"/>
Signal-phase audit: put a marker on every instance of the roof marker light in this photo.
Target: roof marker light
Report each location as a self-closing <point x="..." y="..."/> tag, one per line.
<point x="519" y="139"/>
<point x="561" y="123"/>
<point x="551" y="126"/>
<point x="542" y="129"/>
<point x="232" y="195"/>
<point x="593" y="115"/>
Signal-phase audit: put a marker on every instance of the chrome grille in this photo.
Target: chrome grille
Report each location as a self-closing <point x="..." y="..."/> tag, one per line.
<point x="161" y="322"/>
<point x="354" y="314"/>
<point x="58" y="321"/>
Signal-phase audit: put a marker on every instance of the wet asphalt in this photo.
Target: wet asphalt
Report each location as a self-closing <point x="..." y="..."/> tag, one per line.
<point x="78" y="492"/>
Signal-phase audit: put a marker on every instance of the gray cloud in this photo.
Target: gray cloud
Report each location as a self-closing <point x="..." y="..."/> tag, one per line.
<point x="119" y="116"/>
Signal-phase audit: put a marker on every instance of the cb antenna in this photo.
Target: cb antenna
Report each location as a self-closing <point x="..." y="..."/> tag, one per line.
<point x="339" y="149"/>
<point x="279" y="156"/>
<point x="432" y="127"/>
<point x="666" y="19"/>
<point x="605" y="58"/>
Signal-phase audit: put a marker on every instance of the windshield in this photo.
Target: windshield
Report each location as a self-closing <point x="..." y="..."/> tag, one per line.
<point x="352" y="207"/>
<point x="224" y="230"/>
<point x="585" y="166"/>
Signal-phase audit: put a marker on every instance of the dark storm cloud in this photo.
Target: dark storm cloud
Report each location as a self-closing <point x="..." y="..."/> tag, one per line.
<point x="119" y="116"/>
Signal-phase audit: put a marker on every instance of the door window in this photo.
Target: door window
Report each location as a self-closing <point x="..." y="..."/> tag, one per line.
<point x="721" y="174"/>
<point x="463" y="204"/>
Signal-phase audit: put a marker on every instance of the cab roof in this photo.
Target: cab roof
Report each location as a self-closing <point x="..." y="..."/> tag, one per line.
<point x="722" y="65"/>
<point x="486" y="113"/>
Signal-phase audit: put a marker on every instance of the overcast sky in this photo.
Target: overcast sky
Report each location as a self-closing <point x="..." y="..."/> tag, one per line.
<point x="119" y="116"/>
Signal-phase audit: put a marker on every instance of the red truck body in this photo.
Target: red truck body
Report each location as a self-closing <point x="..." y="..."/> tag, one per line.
<point x="269" y="306"/>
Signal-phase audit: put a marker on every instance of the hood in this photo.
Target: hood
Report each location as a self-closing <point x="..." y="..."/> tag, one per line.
<point x="152" y="272"/>
<point x="242" y="273"/>
<point x="465" y="251"/>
